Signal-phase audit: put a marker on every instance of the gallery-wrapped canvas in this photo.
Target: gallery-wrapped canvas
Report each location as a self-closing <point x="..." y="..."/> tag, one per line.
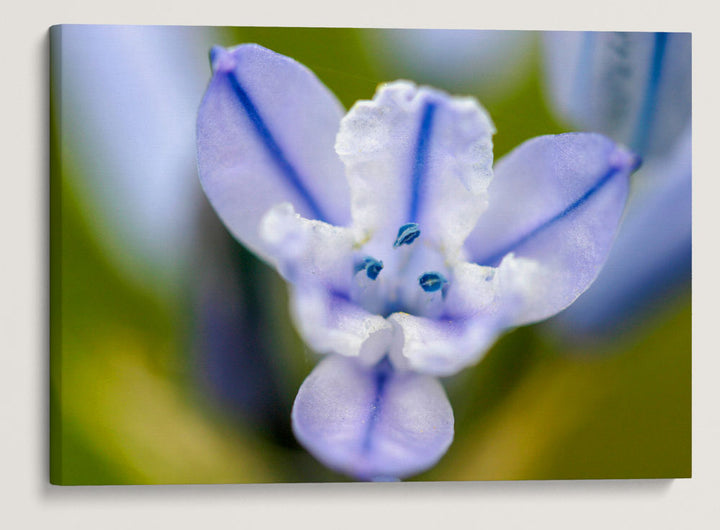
<point x="328" y="255"/>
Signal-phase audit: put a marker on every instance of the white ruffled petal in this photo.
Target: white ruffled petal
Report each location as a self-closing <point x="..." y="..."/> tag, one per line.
<point x="480" y="303"/>
<point x="416" y="155"/>
<point x="308" y="252"/>
<point x="331" y="323"/>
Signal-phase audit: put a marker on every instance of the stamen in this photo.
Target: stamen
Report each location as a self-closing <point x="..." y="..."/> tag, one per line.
<point x="371" y="266"/>
<point x="432" y="281"/>
<point x="408" y="233"/>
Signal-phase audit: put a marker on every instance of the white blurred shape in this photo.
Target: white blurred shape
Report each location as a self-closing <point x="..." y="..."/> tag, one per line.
<point x="129" y="97"/>
<point x="483" y="62"/>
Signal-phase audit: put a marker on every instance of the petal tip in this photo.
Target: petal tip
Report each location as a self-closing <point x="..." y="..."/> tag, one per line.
<point x="221" y="59"/>
<point x="624" y="159"/>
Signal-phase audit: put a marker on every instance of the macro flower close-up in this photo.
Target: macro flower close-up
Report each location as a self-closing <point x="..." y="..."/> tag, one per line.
<point x="364" y="254"/>
<point x="407" y="250"/>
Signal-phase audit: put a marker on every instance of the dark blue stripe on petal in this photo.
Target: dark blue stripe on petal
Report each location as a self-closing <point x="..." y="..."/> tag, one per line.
<point x="420" y="161"/>
<point x="382" y="372"/>
<point x="277" y="154"/>
<point x="495" y="259"/>
<point x="647" y="110"/>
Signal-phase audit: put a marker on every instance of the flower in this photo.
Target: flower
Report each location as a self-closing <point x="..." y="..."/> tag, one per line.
<point x="636" y="88"/>
<point x="404" y="260"/>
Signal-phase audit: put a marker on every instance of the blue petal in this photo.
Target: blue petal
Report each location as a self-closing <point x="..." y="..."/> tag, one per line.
<point x="634" y="87"/>
<point x="556" y="200"/>
<point x="266" y="130"/>
<point x="646" y="79"/>
<point x="372" y="422"/>
<point x="651" y="257"/>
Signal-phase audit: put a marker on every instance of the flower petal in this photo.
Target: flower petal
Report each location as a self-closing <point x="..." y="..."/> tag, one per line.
<point x="331" y="323"/>
<point x="556" y="200"/>
<point x="651" y="257"/>
<point x="634" y="87"/>
<point x="417" y="155"/>
<point x="318" y="259"/>
<point x="373" y="423"/>
<point x="307" y="251"/>
<point x="266" y="130"/>
<point x="443" y="347"/>
<point x="479" y="304"/>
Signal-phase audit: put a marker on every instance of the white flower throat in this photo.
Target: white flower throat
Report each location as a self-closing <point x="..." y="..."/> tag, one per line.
<point x="393" y="284"/>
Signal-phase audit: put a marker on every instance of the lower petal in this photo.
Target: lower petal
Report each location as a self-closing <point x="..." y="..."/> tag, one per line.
<point x="331" y="323"/>
<point x="373" y="423"/>
<point x="480" y="303"/>
<point x="445" y="346"/>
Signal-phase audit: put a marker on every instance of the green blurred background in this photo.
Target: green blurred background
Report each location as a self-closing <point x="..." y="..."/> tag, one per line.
<point x="183" y="368"/>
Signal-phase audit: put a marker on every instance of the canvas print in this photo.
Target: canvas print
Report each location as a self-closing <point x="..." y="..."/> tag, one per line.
<point x="332" y="255"/>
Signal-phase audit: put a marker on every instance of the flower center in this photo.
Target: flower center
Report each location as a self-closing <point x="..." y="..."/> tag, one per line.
<point x="407" y="279"/>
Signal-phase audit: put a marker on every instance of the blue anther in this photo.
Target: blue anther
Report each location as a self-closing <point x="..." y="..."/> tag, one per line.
<point x="371" y="266"/>
<point x="432" y="281"/>
<point x="408" y="233"/>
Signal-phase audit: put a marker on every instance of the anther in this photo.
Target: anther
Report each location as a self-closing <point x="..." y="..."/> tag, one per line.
<point x="408" y="233"/>
<point x="371" y="266"/>
<point x="432" y="281"/>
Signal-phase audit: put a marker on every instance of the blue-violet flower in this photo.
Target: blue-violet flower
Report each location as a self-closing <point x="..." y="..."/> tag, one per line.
<point x="406" y="252"/>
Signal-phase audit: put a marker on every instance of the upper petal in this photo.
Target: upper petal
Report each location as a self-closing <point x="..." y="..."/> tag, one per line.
<point x="373" y="423"/>
<point x="558" y="201"/>
<point x="417" y="155"/>
<point x="265" y="132"/>
<point x="634" y="87"/>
